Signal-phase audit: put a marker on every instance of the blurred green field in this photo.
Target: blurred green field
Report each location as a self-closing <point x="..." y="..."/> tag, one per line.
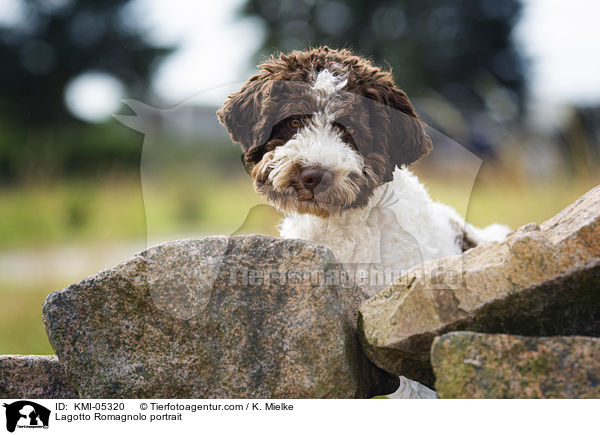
<point x="91" y="216"/>
<point x="21" y="328"/>
<point x="515" y="203"/>
<point x="88" y="211"/>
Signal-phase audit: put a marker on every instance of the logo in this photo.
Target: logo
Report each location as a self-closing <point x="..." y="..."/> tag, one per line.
<point x="26" y="414"/>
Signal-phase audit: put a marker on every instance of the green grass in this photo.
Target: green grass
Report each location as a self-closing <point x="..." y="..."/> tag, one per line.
<point x="87" y="211"/>
<point x="90" y="214"/>
<point x="21" y="327"/>
<point x="71" y="211"/>
<point x="512" y="203"/>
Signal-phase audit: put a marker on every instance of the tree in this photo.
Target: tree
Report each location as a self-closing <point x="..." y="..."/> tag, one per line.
<point x="51" y="43"/>
<point x="458" y="48"/>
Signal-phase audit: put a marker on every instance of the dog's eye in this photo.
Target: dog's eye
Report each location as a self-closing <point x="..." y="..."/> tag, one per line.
<point x="295" y="123"/>
<point x="344" y="129"/>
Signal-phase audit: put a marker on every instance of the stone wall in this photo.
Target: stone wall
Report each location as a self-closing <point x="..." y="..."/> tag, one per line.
<point x="261" y="317"/>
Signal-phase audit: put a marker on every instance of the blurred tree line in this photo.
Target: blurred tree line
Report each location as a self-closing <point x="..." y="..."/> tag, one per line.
<point x="451" y="47"/>
<point x="53" y="42"/>
<point x="460" y="51"/>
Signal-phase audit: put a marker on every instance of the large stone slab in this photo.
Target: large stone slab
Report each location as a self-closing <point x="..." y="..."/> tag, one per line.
<point x="221" y="317"/>
<point x="483" y="366"/>
<point x="540" y="281"/>
<point x="34" y="377"/>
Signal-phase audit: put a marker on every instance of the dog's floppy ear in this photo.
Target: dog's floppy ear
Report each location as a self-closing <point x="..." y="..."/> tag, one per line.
<point x="408" y="137"/>
<point x="242" y="114"/>
<point x="400" y="131"/>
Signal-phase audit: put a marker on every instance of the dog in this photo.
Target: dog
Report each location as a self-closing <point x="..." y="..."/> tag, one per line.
<point x="327" y="138"/>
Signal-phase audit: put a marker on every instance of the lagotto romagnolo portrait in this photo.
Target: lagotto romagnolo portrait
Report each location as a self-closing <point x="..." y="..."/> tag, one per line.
<point x="327" y="138"/>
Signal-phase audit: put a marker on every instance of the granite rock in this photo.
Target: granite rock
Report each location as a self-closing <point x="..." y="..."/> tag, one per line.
<point x="541" y="280"/>
<point x="483" y="366"/>
<point x="220" y="317"/>
<point x="34" y="377"/>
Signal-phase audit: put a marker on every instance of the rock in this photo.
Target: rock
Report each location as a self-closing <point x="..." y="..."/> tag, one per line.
<point x="539" y="281"/>
<point x="221" y="317"/>
<point x="483" y="366"/>
<point x="34" y="377"/>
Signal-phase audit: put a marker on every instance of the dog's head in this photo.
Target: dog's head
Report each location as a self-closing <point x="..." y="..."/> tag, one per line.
<point x="321" y="129"/>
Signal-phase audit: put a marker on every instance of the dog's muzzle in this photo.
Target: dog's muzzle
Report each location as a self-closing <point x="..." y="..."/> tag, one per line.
<point x="316" y="179"/>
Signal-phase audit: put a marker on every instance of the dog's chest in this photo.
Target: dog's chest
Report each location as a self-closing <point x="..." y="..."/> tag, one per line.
<point x="400" y="228"/>
<point x="350" y="242"/>
<point x="358" y="238"/>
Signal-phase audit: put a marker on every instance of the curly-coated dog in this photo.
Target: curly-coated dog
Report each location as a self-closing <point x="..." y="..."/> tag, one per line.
<point x="327" y="137"/>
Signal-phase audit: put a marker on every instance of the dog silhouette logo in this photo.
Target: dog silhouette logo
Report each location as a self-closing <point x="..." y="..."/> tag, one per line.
<point x="26" y="414"/>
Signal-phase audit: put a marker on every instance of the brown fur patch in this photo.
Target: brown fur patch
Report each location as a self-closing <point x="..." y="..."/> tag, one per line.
<point x="463" y="239"/>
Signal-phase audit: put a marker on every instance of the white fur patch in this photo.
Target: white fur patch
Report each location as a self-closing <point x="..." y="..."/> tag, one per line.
<point x="491" y="233"/>
<point x="407" y="229"/>
<point x="328" y="83"/>
<point x="320" y="144"/>
<point x="326" y="87"/>
<point x="317" y="144"/>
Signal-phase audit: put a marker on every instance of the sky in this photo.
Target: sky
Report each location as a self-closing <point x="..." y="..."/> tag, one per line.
<point x="215" y="45"/>
<point x="562" y="40"/>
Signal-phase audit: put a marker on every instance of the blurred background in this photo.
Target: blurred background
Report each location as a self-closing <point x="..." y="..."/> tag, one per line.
<point x="517" y="83"/>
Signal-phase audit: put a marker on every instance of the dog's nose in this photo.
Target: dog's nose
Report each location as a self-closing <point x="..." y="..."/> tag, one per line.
<point x="311" y="177"/>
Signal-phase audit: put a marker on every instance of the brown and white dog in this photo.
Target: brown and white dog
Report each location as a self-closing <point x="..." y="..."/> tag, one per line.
<point x="327" y="137"/>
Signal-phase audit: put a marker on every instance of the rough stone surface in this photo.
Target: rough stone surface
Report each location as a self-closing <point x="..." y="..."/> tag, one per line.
<point x="482" y="366"/>
<point x="221" y="317"/>
<point x="540" y="281"/>
<point x="34" y="377"/>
